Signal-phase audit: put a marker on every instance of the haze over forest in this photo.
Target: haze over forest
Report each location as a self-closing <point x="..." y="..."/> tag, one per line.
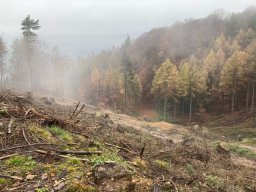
<point x="110" y="96"/>
<point x="136" y="73"/>
<point x="84" y="27"/>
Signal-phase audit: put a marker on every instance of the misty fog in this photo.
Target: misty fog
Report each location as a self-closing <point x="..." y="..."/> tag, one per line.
<point x="78" y="43"/>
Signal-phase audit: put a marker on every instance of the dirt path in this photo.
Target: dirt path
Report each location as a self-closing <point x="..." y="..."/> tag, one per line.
<point x="160" y="130"/>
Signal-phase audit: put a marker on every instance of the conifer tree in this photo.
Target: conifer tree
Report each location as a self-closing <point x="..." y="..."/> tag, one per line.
<point x="251" y="69"/>
<point x="192" y="81"/>
<point x="28" y="26"/>
<point x="165" y="82"/>
<point x="232" y="74"/>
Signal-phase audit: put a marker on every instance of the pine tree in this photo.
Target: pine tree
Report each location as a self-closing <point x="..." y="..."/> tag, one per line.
<point x="165" y="82"/>
<point x="192" y="81"/>
<point x="127" y="66"/>
<point x="251" y="70"/>
<point x="28" y="25"/>
<point x="232" y="74"/>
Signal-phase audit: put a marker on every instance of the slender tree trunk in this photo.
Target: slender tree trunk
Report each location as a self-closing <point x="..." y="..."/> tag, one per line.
<point x="190" y="109"/>
<point x="125" y="86"/>
<point x="233" y="91"/>
<point x="165" y="106"/>
<point x="29" y="63"/>
<point x="223" y="100"/>
<point x="159" y="108"/>
<point x="99" y="87"/>
<point x="247" y="97"/>
<point x="2" y="70"/>
<point x="182" y="109"/>
<point x="174" y="109"/>
<point x="253" y="88"/>
<point x="232" y="100"/>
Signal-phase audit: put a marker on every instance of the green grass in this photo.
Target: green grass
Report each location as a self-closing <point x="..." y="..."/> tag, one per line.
<point x="242" y="151"/>
<point x="42" y="132"/>
<point x="214" y="182"/>
<point x="190" y="169"/>
<point x="21" y="163"/>
<point x="108" y="155"/>
<point x="4" y="181"/>
<point x="74" y="162"/>
<point x="44" y="189"/>
<point x="61" y="133"/>
<point x="3" y="110"/>
<point x="162" y="164"/>
<point x="250" y="141"/>
<point x="78" y="187"/>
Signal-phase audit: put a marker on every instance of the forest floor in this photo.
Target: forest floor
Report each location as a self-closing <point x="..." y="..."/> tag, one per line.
<point x="46" y="146"/>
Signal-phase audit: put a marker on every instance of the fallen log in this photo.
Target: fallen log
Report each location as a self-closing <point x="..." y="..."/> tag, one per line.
<point x="24" y="135"/>
<point x="49" y="120"/>
<point x="25" y="146"/>
<point x="11" y="177"/>
<point x="8" y="156"/>
<point x="63" y="156"/>
<point x="79" y="152"/>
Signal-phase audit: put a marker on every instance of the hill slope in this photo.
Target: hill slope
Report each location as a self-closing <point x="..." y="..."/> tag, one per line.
<point x="46" y="146"/>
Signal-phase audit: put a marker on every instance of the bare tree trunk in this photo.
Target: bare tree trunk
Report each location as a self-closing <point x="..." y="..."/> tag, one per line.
<point x="99" y="88"/>
<point x="232" y="100"/>
<point x="125" y="86"/>
<point x="174" y="109"/>
<point x="29" y="63"/>
<point x="233" y="91"/>
<point x="253" y="87"/>
<point x="247" y="97"/>
<point x="190" y="109"/>
<point x="2" y="70"/>
<point x="182" y="109"/>
<point x="165" y="106"/>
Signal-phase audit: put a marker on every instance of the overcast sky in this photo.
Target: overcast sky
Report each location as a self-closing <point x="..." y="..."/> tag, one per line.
<point x="80" y="27"/>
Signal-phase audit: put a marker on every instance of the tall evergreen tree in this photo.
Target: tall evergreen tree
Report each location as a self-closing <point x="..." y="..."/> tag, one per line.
<point x="251" y="69"/>
<point x="165" y="83"/>
<point x="192" y="81"/>
<point x="28" y="26"/>
<point x="232" y="74"/>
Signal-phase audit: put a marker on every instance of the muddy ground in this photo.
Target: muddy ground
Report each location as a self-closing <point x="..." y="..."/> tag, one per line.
<point x="46" y="146"/>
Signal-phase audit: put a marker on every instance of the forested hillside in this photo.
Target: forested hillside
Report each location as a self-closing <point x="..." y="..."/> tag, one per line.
<point x="206" y="64"/>
<point x="203" y="64"/>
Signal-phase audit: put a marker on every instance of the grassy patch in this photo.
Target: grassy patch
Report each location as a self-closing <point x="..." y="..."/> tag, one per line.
<point x="215" y="144"/>
<point x="40" y="132"/>
<point x="78" y="187"/>
<point x="140" y="163"/>
<point x="21" y="163"/>
<point x="61" y="133"/>
<point x="214" y="182"/>
<point x="242" y="151"/>
<point x="4" y="182"/>
<point x="44" y="189"/>
<point x="162" y="164"/>
<point x="3" y="110"/>
<point x="190" y="169"/>
<point x="107" y="155"/>
<point x="250" y="141"/>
